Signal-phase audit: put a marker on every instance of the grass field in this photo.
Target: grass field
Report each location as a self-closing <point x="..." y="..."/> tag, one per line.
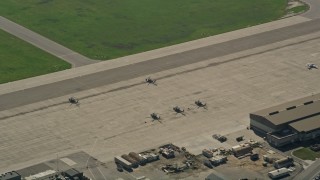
<point x="105" y="29"/>
<point x="306" y="154"/>
<point x="19" y="60"/>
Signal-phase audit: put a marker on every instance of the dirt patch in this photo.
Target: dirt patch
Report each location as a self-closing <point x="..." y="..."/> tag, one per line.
<point x="294" y="3"/>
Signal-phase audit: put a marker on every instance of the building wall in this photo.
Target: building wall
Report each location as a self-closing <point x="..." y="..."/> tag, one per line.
<point x="277" y="141"/>
<point x="303" y="136"/>
<point x="10" y="176"/>
<point x="287" y="162"/>
<point x="242" y="151"/>
<point x="278" y="173"/>
<point x="261" y="123"/>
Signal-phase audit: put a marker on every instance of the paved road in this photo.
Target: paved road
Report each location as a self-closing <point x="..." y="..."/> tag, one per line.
<point x="313" y="12"/>
<point x="45" y="44"/>
<point x="74" y="85"/>
<point x="310" y="172"/>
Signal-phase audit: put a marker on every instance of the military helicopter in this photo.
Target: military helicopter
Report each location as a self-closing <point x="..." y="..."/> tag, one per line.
<point x="155" y="117"/>
<point x="178" y="109"/>
<point x="73" y="100"/>
<point x="311" y="66"/>
<point x="201" y="104"/>
<point x="151" y="81"/>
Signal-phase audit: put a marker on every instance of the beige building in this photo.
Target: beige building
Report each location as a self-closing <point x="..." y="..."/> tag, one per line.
<point x="285" y="162"/>
<point x="286" y="123"/>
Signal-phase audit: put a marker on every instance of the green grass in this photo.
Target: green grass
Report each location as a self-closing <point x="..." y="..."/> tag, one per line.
<point x="306" y="154"/>
<point x="19" y="60"/>
<point x="106" y="29"/>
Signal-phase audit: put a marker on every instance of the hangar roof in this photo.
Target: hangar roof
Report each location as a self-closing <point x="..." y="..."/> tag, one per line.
<point x="293" y="110"/>
<point x="282" y="107"/>
<point x="294" y="114"/>
<point x="307" y="125"/>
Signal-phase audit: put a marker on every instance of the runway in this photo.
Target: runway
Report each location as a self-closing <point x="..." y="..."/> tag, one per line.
<point x="70" y="86"/>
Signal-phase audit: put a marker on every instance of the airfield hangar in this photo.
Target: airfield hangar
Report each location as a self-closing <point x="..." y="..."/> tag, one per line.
<point x="294" y="121"/>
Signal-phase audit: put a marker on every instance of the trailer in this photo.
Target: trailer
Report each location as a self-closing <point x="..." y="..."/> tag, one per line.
<point x="124" y="163"/>
<point x="241" y="150"/>
<point x="150" y="157"/>
<point x="133" y="162"/>
<point x="217" y="160"/>
<point x="135" y="156"/>
<point x="285" y="162"/>
<point x="278" y="173"/>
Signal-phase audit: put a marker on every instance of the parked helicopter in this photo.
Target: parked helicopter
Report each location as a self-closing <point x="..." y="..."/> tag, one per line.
<point x="155" y="117"/>
<point x="201" y="104"/>
<point x="73" y="100"/>
<point x="311" y="66"/>
<point x="178" y="109"/>
<point x="151" y="81"/>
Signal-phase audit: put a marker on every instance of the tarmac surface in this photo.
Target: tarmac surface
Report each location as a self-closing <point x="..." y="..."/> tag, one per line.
<point x="77" y="84"/>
